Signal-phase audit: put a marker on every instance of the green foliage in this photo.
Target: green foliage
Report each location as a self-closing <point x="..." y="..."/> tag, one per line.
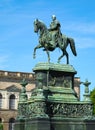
<point x="1" y="126"/>
<point x="92" y="96"/>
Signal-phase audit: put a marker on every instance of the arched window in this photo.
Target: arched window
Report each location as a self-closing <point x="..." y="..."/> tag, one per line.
<point x="0" y="100"/>
<point x="11" y="123"/>
<point x="12" y="101"/>
<point x="0" y="120"/>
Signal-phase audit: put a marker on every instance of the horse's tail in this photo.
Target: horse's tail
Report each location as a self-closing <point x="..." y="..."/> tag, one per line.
<point x="72" y="46"/>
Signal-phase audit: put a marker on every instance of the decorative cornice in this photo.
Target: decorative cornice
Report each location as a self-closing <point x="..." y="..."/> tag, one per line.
<point x="13" y="88"/>
<point x="4" y="75"/>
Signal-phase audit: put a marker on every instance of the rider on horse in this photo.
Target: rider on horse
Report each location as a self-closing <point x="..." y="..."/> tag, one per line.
<point x="52" y="38"/>
<point x="55" y="32"/>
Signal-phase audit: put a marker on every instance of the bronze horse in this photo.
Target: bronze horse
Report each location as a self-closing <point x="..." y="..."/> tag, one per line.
<point x="45" y="38"/>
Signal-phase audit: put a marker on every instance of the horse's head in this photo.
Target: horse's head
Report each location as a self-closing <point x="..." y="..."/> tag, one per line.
<point x="36" y="25"/>
<point x="39" y="25"/>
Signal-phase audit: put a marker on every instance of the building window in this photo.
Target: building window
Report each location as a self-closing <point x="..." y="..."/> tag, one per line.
<point x="0" y="120"/>
<point x="0" y="100"/>
<point x="11" y="123"/>
<point x="12" y="101"/>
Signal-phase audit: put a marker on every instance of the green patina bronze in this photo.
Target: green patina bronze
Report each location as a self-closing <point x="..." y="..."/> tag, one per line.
<point x="22" y="101"/>
<point x="87" y="94"/>
<point x="52" y="38"/>
<point x="23" y="95"/>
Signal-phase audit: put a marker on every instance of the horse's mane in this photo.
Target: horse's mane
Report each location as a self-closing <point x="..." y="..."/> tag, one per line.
<point x="42" y="23"/>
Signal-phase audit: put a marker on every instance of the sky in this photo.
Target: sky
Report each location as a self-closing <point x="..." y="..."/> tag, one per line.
<point x="17" y="37"/>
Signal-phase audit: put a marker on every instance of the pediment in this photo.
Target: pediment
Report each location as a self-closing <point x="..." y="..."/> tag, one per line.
<point x="13" y="88"/>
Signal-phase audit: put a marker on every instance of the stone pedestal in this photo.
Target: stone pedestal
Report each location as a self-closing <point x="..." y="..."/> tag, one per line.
<point x="20" y="124"/>
<point x="37" y="124"/>
<point x="53" y="104"/>
<point x="58" y="79"/>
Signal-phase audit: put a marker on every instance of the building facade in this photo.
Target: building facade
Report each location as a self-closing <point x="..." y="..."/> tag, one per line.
<point x="9" y="94"/>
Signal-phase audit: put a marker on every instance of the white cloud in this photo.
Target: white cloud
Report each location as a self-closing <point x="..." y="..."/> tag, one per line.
<point x="81" y="27"/>
<point x="82" y="32"/>
<point x="85" y="42"/>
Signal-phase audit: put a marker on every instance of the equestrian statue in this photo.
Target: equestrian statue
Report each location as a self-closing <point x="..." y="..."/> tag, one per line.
<point x="52" y="38"/>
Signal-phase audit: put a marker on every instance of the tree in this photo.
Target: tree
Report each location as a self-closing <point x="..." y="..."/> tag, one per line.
<point x="92" y="96"/>
<point x="1" y="126"/>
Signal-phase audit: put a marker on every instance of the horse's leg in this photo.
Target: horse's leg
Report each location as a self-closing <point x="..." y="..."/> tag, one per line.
<point x="60" y="57"/>
<point x="66" y="54"/>
<point x="37" y="47"/>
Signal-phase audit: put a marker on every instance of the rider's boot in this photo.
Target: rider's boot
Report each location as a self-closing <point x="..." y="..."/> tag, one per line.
<point x="53" y="42"/>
